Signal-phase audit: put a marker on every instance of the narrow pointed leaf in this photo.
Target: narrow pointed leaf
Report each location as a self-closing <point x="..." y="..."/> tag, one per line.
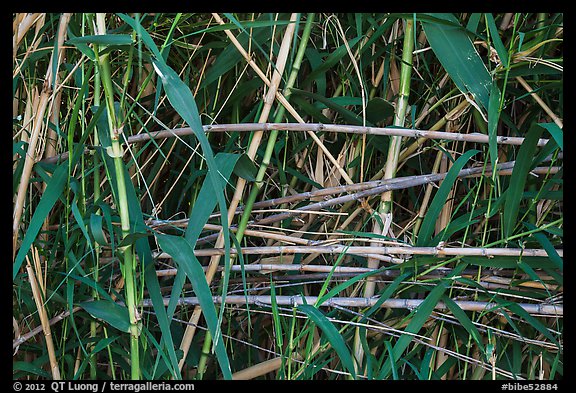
<point x="332" y="335"/>
<point x="459" y="57"/>
<point x="183" y="254"/>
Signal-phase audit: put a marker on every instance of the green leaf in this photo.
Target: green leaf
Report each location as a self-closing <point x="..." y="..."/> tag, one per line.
<point x="49" y="197"/>
<point x="466" y="323"/>
<point x="332" y="335"/>
<point x="556" y="133"/>
<point x="496" y="40"/>
<point x="429" y="222"/>
<point x="392" y="360"/>
<point x="535" y="323"/>
<point x="547" y="245"/>
<point x="96" y="229"/>
<point x="493" y="117"/>
<point x="142" y="33"/>
<point x="230" y="56"/>
<point x="459" y="57"/>
<point x="111" y="312"/>
<point x="106" y="39"/>
<point x="332" y="59"/>
<point x="182" y="253"/>
<point x="518" y="179"/>
<point x="348" y="115"/>
<point x="378" y="109"/>
<point x="103" y="343"/>
<point x="131" y="238"/>
<point x="245" y="168"/>
<point x="30" y="368"/>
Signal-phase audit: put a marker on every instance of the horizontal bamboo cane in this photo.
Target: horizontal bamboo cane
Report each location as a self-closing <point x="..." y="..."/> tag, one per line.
<point x="551" y="310"/>
<point x="336" y="270"/>
<point x="318" y="127"/>
<point x="364" y="250"/>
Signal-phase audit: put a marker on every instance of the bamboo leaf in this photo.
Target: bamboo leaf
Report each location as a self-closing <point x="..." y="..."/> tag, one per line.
<point x="378" y="109"/>
<point x="466" y="323"/>
<point x="111" y="312"/>
<point x="96" y="229"/>
<point x="547" y="245"/>
<point x="427" y="227"/>
<point x="556" y="133"/>
<point x="53" y="191"/>
<point x="348" y="115"/>
<point x="332" y="335"/>
<point x="493" y="117"/>
<point x="332" y="59"/>
<point x="459" y="57"/>
<point x="105" y="39"/>
<point x="495" y="38"/>
<point x="518" y="179"/>
<point x="182" y="253"/>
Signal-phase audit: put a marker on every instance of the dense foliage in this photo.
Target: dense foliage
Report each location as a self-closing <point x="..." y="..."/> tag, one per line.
<point x="159" y="233"/>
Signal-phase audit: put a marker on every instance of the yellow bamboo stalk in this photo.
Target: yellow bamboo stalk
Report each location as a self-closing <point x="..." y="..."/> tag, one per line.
<point x="542" y="104"/>
<point x="38" y="295"/>
<point x="32" y="154"/>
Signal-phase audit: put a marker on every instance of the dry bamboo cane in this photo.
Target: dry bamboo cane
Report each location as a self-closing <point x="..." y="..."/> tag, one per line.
<point x="384" y="210"/>
<point x="312" y="128"/>
<point x="438" y="251"/>
<point x="401" y="182"/>
<point x="541" y="309"/>
<point x="36" y="292"/>
<point x="31" y="156"/>
<point x="390" y="185"/>
<point x="542" y="104"/>
<point x="22" y="24"/>
<point x="239" y="190"/>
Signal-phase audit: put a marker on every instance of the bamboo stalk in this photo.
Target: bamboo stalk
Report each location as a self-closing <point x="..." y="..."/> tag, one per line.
<point x="474" y="137"/>
<point x="400" y="183"/>
<point x="377" y="250"/>
<point x="36" y="292"/>
<point x="115" y="128"/>
<point x="547" y="310"/>
<point x="487" y="276"/>
<point x="392" y="184"/>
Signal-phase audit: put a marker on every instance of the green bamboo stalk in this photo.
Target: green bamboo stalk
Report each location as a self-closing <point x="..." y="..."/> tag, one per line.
<point x="122" y="201"/>
<point x="274" y="134"/>
<point x="385" y="208"/>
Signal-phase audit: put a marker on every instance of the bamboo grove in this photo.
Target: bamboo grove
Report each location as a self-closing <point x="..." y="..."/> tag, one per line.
<point x="284" y="196"/>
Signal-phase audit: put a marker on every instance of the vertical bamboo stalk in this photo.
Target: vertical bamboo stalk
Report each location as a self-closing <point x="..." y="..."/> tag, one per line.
<point x="129" y="260"/>
<point x="38" y="295"/>
<point x="385" y="209"/>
